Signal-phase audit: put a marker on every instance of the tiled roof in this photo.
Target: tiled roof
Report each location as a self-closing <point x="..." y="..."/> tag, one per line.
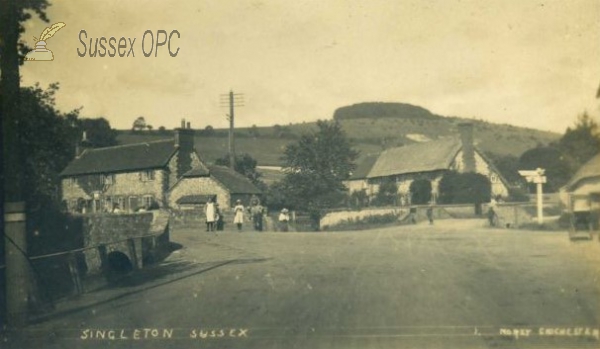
<point x="199" y="171"/>
<point x="419" y="157"/>
<point x="364" y="166"/>
<point x="233" y="181"/>
<point x="122" y="158"/>
<point x="589" y="169"/>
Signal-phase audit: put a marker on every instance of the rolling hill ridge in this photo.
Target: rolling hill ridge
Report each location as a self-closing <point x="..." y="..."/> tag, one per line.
<point x="372" y="126"/>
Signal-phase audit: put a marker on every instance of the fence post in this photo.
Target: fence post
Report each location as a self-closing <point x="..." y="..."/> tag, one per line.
<point x="75" y="275"/>
<point x="17" y="268"/>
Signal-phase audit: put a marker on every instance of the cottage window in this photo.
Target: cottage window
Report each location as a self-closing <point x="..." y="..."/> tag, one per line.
<point x="146" y="176"/>
<point x="494" y="178"/>
<point x="148" y="200"/>
<point x="133" y="203"/>
<point x="108" y="204"/>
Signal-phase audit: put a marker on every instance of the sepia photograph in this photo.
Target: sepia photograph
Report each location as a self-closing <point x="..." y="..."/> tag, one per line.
<point x="265" y="174"/>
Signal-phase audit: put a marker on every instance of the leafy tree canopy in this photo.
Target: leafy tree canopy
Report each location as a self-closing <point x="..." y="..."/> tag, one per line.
<point x="387" y="194"/>
<point x="582" y="141"/>
<point x="98" y="132"/>
<point x="558" y="167"/>
<point x="464" y="188"/>
<point x="316" y="166"/>
<point x="420" y="191"/>
<point x="244" y="164"/>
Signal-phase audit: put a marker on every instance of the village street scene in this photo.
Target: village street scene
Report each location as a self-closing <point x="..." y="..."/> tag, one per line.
<point x="341" y="175"/>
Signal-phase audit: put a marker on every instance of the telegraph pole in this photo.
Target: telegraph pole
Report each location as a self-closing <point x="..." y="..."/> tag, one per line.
<point x="232" y="100"/>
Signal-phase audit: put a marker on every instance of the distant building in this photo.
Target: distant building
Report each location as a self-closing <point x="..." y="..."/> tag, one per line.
<point x="427" y="160"/>
<point x="217" y="182"/>
<point x="582" y="192"/>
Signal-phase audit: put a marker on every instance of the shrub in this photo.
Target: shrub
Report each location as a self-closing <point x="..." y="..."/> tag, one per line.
<point x="387" y="194"/>
<point x="420" y="191"/>
<point x="365" y="223"/>
<point x="464" y="188"/>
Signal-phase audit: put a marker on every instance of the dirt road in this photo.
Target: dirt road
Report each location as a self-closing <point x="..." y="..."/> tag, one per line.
<point x="456" y="284"/>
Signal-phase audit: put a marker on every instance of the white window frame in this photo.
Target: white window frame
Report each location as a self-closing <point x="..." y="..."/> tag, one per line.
<point x="147" y="200"/>
<point x="147" y="175"/>
<point x="131" y="208"/>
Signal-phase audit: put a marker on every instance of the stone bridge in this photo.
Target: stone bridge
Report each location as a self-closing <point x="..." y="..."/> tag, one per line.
<point x="118" y="243"/>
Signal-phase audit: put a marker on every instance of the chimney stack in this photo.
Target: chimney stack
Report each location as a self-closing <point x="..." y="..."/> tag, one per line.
<point x="468" y="148"/>
<point x="82" y="146"/>
<point x="184" y="141"/>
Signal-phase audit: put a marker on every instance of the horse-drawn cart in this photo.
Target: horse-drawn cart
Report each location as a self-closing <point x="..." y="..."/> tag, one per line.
<point x="584" y="213"/>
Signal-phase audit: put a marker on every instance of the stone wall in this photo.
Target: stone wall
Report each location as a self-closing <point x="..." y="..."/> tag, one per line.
<point x="512" y="215"/>
<point x="333" y="218"/>
<point x="112" y="230"/>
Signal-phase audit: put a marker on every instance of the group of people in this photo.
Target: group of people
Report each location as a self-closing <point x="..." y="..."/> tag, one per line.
<point x="214" y="218"/>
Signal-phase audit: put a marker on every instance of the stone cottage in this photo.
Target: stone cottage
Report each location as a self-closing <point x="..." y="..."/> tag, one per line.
<point x="427" y="160"/>
<point x="217" y="182"/>
<point x="582" y="192"/>
<point x="128" y="176"/>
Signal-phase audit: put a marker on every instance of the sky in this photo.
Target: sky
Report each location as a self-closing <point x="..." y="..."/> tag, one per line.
<point x="522" y="62"/>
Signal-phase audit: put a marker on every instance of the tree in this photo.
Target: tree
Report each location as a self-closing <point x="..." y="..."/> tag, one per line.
<point x="508" y="166"/>
<point x="420" y="191"/>
<point x="559" y="168"/>
<point x="254" y="132"/>
<point x="12" y="51"/>
<point x="464" y="188"/>
<point x="139" y="124"/>
<point x="244" y="164"/>
<point x="582" y="142"/>
<point x="387" y="194"/>
<point x="316" y="165"/>
<point x="98" y="132"/>
<point x="209" y="131"/>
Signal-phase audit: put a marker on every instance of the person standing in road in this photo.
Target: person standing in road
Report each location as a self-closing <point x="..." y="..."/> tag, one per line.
<point x="430" y="212"/>
<point x="492" y="217"/>
<point x="219" y="218"/>
<point x="238" y="218"/>
<point x="210" y="212"/>
<point x="284" y="218"/>
<point x="257" y="215"/>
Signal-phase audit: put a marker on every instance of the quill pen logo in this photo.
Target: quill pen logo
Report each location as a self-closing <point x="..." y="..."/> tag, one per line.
<point x="41" y="53"/>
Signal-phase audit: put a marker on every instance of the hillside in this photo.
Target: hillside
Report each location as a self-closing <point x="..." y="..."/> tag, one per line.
<point x="373" y="127"/>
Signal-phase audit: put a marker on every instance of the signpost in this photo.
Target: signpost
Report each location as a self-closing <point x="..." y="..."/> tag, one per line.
<point x="537" y="177"/>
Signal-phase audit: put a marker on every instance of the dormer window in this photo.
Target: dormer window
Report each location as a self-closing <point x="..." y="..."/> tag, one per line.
<point x="146" y="176"/>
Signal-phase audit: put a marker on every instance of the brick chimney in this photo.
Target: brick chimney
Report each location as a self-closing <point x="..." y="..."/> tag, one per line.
<point x="468" y="148"/>
<point x="184" y="140"/>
